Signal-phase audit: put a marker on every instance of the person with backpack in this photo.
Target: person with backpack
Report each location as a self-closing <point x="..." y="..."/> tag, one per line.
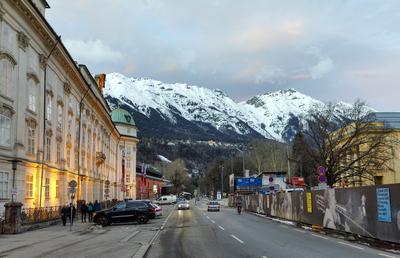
<point x="90" y="210"/>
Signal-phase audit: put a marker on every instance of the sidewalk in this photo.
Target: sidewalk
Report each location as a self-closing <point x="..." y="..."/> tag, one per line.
<point x="84" y="240"/>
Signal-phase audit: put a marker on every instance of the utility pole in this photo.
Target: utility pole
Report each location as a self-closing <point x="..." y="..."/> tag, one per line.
<point x="222" y="180"/>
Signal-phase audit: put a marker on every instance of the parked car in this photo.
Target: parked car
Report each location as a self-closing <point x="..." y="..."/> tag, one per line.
<point x="153" y="208"/>
<point x="213" y="206"/>
<point x="158" y="210"/>
<point x="183" y="205"/>
<point x="124" y="212"/>
<point x="166" y="199"/>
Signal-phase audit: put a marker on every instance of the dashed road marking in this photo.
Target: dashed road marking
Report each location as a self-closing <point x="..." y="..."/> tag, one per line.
<point x="354" y="246"/>
<point x="212" y="221"/>
<point x="207" y="217"/>
<point x="221" y="227"/>
<point x="320" y="236"/>
<point x="264" y="256"/>
<point x="283" y="226"/>
<point x="240" y="241"/>
<point x="386" y="255"/>
<point x="299" y="230"/>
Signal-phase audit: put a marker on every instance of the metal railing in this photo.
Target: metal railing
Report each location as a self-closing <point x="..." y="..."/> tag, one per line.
<point x="38" y="215"/>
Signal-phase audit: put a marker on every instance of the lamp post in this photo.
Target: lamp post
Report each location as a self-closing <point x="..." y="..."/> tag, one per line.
<point x="14" y="168"/>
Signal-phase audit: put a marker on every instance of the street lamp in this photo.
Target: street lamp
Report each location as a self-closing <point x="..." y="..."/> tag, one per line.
<point x="14" y="168"/>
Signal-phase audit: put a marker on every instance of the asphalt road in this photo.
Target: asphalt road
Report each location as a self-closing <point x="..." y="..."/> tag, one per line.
<point x="198" y="233"/>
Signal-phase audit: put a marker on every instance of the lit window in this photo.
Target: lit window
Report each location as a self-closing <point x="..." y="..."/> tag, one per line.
<point x="47" y="188"/>
<point x="32" y="95"/>
<point x="57" y="188"/>
<point x="68" y="157"/>
<point x="31" y="139"/>
<point x="4" y="185"/>
<point x="128" y="178"/>
<point x="76" y="159"/>
<point x="48" y="148"/>
<point x="29" y="186"/>
<point x="5" y="130"/>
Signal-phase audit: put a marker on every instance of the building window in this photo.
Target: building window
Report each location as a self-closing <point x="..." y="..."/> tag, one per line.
<point x="59" y="116"/>
<point x="128" y="151"/>
<point x="4" y="185"/>
<point x="76" y="159"/>
<point x="68" y="157"/>
<point x="29" y="186"/>
<point x="6" y="77"/>
<point x="31" y="139"/>
<point x="47" y="188"/>
<point x="32" y="95"/>
<point x="49" y="107"/>
<point x="58" y="152"/>
<point x="128" y="163"/>
<point x="128" y="178"/>
<point x="5" y="130"/>
<point x="57" y="188"/>
<point x="48" y="148"/>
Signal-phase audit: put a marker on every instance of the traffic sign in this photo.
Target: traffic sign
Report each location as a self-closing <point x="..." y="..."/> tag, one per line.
<point x="321" y="170"/>
<point x="72" y="184"/>
<point x="322" y="178"/>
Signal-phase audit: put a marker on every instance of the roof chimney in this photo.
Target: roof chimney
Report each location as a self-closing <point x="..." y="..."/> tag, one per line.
<point x="101" y="81"/>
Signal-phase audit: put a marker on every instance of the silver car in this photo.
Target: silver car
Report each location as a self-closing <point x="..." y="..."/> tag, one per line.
<point x="213" y="206"/>
<point x="183" y="205"/>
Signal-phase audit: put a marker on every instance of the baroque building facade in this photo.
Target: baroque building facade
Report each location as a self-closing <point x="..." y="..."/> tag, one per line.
<point x="55" y="125"/>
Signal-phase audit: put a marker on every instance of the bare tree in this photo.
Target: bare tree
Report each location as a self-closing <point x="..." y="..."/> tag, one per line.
<point x="176" y="172"/>
<point x="350" y="145"/>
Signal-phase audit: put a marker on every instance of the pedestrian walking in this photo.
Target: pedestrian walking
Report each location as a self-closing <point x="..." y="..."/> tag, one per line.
<point x="71" y="211"/>
<point x="97" y="206"/>
<point x="83" y="211"/>
<point x="90" y="210"/>
<point x="64" y="215"/>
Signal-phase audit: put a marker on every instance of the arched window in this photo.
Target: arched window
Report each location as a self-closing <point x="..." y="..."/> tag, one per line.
<point x="5" y="130"/>
<point x="6" y="76"/>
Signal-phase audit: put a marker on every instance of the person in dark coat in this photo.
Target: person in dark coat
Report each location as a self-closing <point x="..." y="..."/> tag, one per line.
<point x="97" y="206"/>
<point x="90" y="210"/>
<point x="64" y="215"/>
<point x="83" y="211"/>
<point x="71" y="216"/>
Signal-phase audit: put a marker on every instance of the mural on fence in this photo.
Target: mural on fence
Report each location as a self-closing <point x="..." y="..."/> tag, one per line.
<point x="371" y="211"/>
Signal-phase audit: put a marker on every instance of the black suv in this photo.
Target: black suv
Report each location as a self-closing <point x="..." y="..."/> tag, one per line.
<point x="125" y="212"/>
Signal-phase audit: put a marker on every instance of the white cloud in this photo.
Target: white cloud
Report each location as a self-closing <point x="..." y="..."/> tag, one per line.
<point x="274" y="75"/>
<point x="92" y="51"/>
<point x="323" y="67"/>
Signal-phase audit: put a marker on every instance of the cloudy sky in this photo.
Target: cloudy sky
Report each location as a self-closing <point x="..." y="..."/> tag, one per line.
<point x="331" y="50"/>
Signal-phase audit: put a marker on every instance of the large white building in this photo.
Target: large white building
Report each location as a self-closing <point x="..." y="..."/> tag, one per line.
<point x="55" y="125"/>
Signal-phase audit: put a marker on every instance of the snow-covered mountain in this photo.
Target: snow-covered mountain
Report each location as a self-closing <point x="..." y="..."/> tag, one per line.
<point x="185" y="111"/>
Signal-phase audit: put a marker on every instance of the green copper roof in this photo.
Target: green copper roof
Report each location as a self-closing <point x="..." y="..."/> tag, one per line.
<point x="122" y="116"/>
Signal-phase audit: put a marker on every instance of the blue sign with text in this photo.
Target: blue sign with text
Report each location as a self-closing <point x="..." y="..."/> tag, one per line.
<point x="383" y="205"/>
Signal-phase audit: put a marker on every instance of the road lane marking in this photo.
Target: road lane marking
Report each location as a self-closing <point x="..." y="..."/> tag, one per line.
<point x="264" y="256"/>
<point x="212" y="221"/>
<point x="298" y="230"/>
<point x="320" y="236"/>
<point x="354" y="246"/>
<point x="126" y="239"/>
<point x="221" y="227"/>
<point x="207" y="217"/>
<point x="283" y="226"/>
<point x="386" y="255"/>
<point x="240" y="241"/>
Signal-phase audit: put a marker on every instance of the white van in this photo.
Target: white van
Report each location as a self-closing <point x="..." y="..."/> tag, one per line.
<point x="166" y="199"/>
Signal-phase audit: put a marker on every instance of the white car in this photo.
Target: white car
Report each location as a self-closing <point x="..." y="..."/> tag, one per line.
<point x="183" y="205"/>
<point x="166" y="199"/>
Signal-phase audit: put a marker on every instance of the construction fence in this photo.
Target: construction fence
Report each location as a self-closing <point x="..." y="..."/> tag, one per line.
<point x="369" y="211"/>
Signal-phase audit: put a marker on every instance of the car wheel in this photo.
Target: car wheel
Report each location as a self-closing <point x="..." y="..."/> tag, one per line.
<point x="142" y="219"/>
<point x="103" y="220"/>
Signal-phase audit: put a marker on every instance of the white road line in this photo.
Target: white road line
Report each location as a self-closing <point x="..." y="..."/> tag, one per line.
<point x="221" y="227"/>
<point x="283" y="226"/>
<point x="354" y="246"/>
<point x="240" y="241"/>
<point x="212" y="221"/>
<point x="298" y="230"/>
<point x="207" y="217"/>
<point x="386" y="255"/>
<point x="320" y="236"/>
<point x="264" y="256"/>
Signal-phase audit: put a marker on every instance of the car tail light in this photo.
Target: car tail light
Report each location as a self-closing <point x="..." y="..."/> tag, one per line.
<point x="152" y="209"/>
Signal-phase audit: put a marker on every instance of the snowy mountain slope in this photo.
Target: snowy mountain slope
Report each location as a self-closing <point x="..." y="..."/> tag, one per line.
<point x="185" y="111"/>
